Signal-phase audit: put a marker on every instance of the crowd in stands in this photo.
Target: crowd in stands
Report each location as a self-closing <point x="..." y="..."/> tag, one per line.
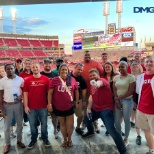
<point x="90" y="89"/>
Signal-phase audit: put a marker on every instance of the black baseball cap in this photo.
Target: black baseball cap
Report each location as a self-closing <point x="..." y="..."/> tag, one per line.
<point x="59" y="60"/>
<point x="47" y="60"/>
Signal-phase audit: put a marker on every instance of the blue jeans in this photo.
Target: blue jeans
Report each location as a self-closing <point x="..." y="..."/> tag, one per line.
<point x="127" y="107"/>
<point x="108" y="119"/>
<point x="33" y="120"/>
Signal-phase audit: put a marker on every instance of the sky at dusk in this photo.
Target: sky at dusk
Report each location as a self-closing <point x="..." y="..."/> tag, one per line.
<point x="62" y="19"/>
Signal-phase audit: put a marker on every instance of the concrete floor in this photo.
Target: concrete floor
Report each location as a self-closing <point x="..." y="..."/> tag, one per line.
<point x="97" y="144"/>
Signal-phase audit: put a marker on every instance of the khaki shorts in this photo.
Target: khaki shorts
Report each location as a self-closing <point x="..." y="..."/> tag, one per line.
<point x="145" y="121"/>
<point x="79" y="112"/>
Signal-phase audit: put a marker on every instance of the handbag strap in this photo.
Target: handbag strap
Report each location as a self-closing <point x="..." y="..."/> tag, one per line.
<point x="67" y="89"/>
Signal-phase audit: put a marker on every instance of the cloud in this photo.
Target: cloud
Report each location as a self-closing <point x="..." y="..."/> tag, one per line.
<point x="23" y="25"/>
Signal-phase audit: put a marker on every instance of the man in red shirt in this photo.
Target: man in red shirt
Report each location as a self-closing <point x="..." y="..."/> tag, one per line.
<point x="101" y="106"/>
<point x="35" y="102"/>
<point x="145" y="112"/>
<point x="89" y="64"/>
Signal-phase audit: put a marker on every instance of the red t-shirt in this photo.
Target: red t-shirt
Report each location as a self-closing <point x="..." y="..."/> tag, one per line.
<point x="24" y="75"/>
<point x="87" y="67"/>
<point x="37" y="89"/>
<point x="60" y="98"/>
<point x="102" y="97"/>
<point x="146" y="104"/>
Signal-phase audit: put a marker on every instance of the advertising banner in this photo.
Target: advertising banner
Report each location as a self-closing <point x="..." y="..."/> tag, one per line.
<point x="126" y="37"/>
<point x="77" y="40"/>
<point x="77" y="46"/>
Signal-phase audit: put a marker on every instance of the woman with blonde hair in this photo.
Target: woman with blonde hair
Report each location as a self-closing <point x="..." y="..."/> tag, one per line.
<point x="2" y="72"/>
<point x="136" y="69"/>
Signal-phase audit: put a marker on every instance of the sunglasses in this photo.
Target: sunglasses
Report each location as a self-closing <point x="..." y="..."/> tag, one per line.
<point x="79" y="64"/>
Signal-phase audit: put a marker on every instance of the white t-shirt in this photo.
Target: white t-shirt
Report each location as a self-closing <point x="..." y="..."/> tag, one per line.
<point x="10" y="87"/>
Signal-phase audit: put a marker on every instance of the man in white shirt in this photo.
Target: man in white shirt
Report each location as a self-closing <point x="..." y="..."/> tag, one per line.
<point x="10" y="88"/>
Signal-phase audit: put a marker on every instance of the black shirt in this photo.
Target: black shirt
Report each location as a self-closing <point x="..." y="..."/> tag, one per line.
<point x="17" y="72"/>
<point x="81" y="84"/>
<point x="49" y="75"/>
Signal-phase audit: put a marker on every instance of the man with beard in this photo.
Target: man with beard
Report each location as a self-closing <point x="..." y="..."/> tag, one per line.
<point x="50" y="74"/>
<point x="47" y="69"/>
<point x="10" y="87"/>
<point x="89" y="64"/>
<point x="101" y="106"/>
<point x="82" y="86"/>
<point x="35" y="102"/>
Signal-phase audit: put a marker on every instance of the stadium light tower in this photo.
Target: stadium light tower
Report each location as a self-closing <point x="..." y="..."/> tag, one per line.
<point x="14" y="19"/>
<point x="106" y="13"/>
<point x="1" y="19"/>
<point x="119" y="11"/>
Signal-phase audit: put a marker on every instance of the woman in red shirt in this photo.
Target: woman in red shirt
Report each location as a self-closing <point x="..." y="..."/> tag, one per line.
<point x="109" y="74"/>
<point x="60" y="97"/>
<point x="27" y="70"/>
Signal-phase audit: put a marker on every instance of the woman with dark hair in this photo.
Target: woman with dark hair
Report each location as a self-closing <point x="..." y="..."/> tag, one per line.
<point x="108" y="74"/>
<point x="60" y="98"/>
<point x="123" y="88"/>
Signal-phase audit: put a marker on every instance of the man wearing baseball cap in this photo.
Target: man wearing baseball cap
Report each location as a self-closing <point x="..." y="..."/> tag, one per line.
<point x="18" y="66"/>
<point x="58" y="63"/>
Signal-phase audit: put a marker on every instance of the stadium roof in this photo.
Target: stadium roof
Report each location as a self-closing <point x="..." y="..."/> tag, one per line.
<point x="24" y="2"/>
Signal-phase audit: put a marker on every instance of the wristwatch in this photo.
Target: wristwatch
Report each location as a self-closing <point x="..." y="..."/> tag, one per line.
<point x="77" y="102"/>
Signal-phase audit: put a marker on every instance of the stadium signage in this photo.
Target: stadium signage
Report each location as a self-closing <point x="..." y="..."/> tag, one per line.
<point x="77" y="40"/>
<point x="128" y="29"/>
<point x="77" y="46"/>
<point x="141" y="9"/>
<point x="112" y="28"/>
<point x="127" y="37"/>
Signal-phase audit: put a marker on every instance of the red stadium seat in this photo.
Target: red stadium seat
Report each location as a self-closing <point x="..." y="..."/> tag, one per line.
<point x="39" y="53"/>
<point x="13" y="53"/>
<point x="26" y="53"/>
<point x="35" y="43"/>
<point x="10" y="42"/>
<point x="49" y="43"/>
<point x="2" y="54"/>
<point x="1" y="42"/>
<point x="23" y="43"/>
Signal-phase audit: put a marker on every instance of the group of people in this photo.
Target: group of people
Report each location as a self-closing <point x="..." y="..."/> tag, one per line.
<point x="92" y="90"/>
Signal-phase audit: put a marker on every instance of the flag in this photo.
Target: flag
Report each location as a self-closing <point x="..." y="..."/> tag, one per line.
<point x="141" y="40"/>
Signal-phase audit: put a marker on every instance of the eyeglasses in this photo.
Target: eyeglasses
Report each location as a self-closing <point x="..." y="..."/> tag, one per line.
<point x="134" y="64"/>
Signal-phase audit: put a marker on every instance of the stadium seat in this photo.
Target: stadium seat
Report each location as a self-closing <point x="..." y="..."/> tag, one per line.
<point x="10" y="42"/>
<point x="23" y="43"/>
<point x="26" y="53"/>
<point x="35" y="43"/>
<point x="13" y="53"/>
